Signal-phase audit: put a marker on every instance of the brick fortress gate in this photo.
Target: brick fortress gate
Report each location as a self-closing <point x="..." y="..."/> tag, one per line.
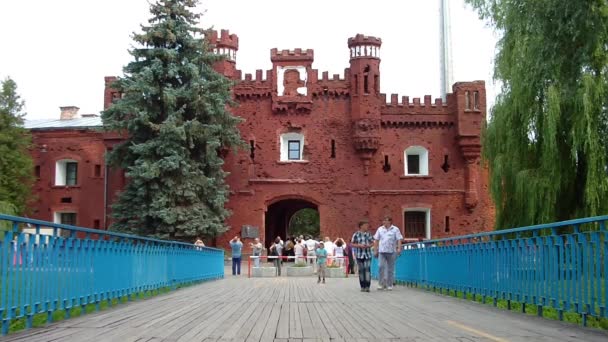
<point x="333" y="144"/>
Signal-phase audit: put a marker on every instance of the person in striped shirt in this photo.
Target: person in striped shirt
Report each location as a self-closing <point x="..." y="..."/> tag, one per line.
<point x="362" y="241"/>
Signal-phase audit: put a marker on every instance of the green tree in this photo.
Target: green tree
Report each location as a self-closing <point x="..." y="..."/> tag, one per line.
<point x="304" y="222"/>
<point x="547" y="141"/>
<point x="15" y="161"/>
<point x="174" y="110"/>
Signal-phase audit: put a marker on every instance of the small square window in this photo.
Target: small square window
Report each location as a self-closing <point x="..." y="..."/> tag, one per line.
<point x="293" y="150"/>
<point x="413" y="164"/>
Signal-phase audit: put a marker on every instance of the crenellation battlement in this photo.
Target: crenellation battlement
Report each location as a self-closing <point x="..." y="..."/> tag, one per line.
<point x="413" y="106"/>
<point x="326" y="78"/>
<point x="361" y="39"/>
<point x="277" y="55"/>
<point x="224" y="39"/>
<point x="258" y="77"/>
<point x="364" y="53"/>
<point x="427" y="101"/>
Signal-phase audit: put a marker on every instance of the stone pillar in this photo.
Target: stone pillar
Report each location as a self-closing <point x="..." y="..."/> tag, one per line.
<point x="471" y="179"/>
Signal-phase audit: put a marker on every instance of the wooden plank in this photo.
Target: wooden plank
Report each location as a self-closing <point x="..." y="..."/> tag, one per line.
<point x="283" y="326"/>
<point x="252" y="330"/>
<point x="270" y="330"/>
<point x="334" y="328"/>
<point x="308" y="330"/>
<point x="295" y="326"/>
<point x="317" y="324"/>
<point x="250" y="314"/>
<point x="298" y="309"/>
<point x="203" y="328"/>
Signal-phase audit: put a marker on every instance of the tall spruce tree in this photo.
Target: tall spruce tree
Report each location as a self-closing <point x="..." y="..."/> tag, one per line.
<point x="547" y="141"/>
<point x="16" y="167"/>
<point x="174" y="110"/>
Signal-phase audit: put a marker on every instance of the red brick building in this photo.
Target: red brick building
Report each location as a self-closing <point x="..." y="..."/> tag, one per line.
<point x="333" y="144"/>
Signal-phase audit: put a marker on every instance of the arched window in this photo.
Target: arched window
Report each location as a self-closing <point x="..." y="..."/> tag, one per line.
<point x="416" y="160"/>
<point x="292" y="146"/>
<point x="66" y="172"/>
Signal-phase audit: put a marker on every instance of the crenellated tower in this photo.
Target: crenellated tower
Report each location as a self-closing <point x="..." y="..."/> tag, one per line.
<point x="225" y="44"/>
<point x="365" y="95"/>
<point x="291" y="80"/>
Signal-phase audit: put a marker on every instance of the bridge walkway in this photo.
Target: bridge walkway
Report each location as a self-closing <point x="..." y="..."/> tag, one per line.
<point x="299" y="309"/>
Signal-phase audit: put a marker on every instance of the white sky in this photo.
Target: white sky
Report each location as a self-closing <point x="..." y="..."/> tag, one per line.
<point x="59" y="51"/>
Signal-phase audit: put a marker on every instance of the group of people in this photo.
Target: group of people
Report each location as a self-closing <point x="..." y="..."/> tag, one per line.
<point x="319" y="253"/>
<point x="384" y="244"/>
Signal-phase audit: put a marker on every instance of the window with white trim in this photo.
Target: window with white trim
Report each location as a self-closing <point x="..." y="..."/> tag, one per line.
<point x="416" y="161"/>
<point x="66" y="172"/>
<point x="65" y="218"/>
<point x="292" y="146"/>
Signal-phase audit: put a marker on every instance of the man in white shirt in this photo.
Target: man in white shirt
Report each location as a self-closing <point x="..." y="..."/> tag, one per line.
<point x="329" y="247"/>
<point x="311" y="246"/>
<point x="298" y="251"/>
<point x="387" y="246"/>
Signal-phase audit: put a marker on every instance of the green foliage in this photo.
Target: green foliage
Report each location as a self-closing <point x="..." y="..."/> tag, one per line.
<point x="304" y="222"/>
<point x="7" y="209"/>
<point x="547" y="141"/>
<point x="174" y="109"/>
<point x="15" y="161"/>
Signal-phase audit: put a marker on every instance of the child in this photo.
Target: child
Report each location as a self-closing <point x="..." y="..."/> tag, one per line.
<point x="321" y="261"/>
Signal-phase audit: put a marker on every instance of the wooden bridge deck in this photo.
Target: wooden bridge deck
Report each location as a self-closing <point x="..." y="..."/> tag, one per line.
<point x="298" y="309"/>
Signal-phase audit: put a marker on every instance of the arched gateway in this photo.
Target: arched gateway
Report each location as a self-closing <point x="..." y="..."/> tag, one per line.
<point x="279" y="214"/>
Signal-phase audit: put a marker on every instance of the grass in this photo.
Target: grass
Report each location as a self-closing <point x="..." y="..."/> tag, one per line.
<point x="40" y="319"/>
<point x="530" y="309"/>
<point x="299" y="264"/>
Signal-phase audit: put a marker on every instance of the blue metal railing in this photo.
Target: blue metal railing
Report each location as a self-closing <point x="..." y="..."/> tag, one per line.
<point x="560" y="265"/>
<point x="45" y="267"/>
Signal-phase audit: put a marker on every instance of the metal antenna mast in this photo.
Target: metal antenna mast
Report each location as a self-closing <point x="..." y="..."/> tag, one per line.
<point x="445" y="51"/>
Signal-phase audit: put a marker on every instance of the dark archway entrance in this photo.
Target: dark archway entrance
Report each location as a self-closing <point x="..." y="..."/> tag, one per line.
<point x="279" y="214"/>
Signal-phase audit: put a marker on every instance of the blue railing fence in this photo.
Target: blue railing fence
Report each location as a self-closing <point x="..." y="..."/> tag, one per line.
<point x="561" y="265"/>
<point x="45" y="267"/>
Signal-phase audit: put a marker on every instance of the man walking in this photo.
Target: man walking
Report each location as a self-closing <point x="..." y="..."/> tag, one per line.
<point x="387" y="246"/>
<point x="363" y="241"/>
<point x="237" y="246"/>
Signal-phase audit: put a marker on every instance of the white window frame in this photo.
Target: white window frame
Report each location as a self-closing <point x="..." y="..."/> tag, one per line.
<point x="427" y="226"/>
<point x="285" y="138"/>
<point x="57" y="219"/>
<point x="423" y="160"/>
<point x="61" y="172"/>
<point x="57" y="216"/>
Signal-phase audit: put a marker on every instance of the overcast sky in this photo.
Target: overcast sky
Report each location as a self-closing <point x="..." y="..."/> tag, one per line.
<point x="59" y="51"/>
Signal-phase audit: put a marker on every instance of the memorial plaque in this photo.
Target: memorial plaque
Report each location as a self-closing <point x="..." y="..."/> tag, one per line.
<point x="250" y="232"/>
